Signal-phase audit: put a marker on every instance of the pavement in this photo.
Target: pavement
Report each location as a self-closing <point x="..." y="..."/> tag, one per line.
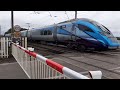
<point x="12" y="71"/>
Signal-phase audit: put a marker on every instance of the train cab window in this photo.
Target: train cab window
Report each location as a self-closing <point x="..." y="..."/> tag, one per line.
<point x="84" y="28"/>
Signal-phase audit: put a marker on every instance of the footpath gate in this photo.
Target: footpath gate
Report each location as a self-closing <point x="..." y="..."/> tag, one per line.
<point x="38" y="67"/>
<point x="4" y="46"/>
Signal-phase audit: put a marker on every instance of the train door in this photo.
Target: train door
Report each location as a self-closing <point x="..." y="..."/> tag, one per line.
<point x="73" y="33"/>
<point x="28" y="34"/>
<point x="55" y="33"/>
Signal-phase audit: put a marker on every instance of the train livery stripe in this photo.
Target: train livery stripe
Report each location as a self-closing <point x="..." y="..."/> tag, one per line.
<point x="54" y="65"/>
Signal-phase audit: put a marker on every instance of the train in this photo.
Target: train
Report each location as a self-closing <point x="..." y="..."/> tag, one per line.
<point x="81" y="33"/>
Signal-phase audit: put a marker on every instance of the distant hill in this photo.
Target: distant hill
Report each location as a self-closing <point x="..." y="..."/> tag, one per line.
<point x="9" y="31"/>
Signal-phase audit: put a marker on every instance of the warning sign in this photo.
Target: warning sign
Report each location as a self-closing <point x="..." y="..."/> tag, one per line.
<point x="17" y="34"/>
<point x="17" y="28"/>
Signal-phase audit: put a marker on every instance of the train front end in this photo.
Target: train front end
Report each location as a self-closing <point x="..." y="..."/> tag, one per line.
<point x="113" y="43"/>
<point x="108" y="38"/>
<point x="104" y="39"/>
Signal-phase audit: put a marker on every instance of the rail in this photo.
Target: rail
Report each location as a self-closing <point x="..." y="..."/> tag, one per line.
<point x="39" y="67"/>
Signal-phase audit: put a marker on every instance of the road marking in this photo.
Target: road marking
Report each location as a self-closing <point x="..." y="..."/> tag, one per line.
<point x="8" y="63"/>
<point x="115" y="68"/>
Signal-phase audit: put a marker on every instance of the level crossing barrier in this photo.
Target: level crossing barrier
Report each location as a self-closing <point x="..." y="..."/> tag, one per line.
<point x="39" y="67"/>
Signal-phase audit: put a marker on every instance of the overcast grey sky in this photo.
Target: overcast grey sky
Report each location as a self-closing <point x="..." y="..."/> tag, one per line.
<point x="111" y="19"/>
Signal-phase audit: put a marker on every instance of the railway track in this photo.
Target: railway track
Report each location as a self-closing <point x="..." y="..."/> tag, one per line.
<point x="59" y="52"/>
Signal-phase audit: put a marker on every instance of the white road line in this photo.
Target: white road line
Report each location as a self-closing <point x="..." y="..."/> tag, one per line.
<point x="114" y="68"/>
<point x="8" y="63"/>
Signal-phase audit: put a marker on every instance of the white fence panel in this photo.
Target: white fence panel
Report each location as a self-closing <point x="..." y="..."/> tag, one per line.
<point x="4" y="45"/>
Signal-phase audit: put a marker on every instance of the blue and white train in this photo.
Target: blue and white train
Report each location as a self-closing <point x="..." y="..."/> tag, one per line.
<point x="79" y="33"/>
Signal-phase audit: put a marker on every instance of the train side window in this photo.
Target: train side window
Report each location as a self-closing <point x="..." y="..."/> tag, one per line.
<point x="45" y="32"/>
<point x="63" y="27"/>
<point x="49" y="32"/>
<point x="41" y="32"/>
<point x="84" y="28"/>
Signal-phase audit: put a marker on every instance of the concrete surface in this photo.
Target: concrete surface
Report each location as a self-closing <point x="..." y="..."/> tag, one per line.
<point x="12" y="71"/>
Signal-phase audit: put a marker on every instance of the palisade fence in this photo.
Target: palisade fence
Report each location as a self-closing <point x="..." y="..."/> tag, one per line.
<point x="4" y="46"/>
<point x="38" y="67"/>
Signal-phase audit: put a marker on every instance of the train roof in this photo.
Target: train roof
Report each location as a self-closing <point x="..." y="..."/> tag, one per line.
<point x="66" y="22"/>
<point x="73" y="20"/>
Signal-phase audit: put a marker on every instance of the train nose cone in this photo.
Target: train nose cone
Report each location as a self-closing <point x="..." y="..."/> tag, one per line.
<point x="114" y="46"/>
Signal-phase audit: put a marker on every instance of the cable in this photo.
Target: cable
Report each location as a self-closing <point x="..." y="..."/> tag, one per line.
<point x="67" y="15"/>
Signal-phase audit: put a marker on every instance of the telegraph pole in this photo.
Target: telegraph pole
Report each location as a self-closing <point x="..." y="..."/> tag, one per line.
<point x="75" y="14"/>
<point x="12" y="24"/>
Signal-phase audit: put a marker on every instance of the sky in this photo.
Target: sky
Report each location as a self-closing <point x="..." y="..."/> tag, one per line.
<point x="111" y="19"/>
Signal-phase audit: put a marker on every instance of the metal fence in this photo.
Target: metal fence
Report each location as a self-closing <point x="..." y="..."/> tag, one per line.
<point x="4" y="46"/>
<point x="39" y="67"/>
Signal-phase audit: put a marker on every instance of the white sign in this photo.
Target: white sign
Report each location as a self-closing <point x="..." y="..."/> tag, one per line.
<point x="17" y="28"/>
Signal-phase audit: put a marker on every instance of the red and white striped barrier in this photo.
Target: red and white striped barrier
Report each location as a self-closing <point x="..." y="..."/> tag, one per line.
<point x="64" y="70"/>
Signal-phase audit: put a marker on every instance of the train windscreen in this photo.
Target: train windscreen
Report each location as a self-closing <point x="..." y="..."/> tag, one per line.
<point x="106" y="32"/>
<point x="103" y="29"/>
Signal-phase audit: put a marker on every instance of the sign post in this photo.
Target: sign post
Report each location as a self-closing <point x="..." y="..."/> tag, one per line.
<point x="17" y="34"/>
